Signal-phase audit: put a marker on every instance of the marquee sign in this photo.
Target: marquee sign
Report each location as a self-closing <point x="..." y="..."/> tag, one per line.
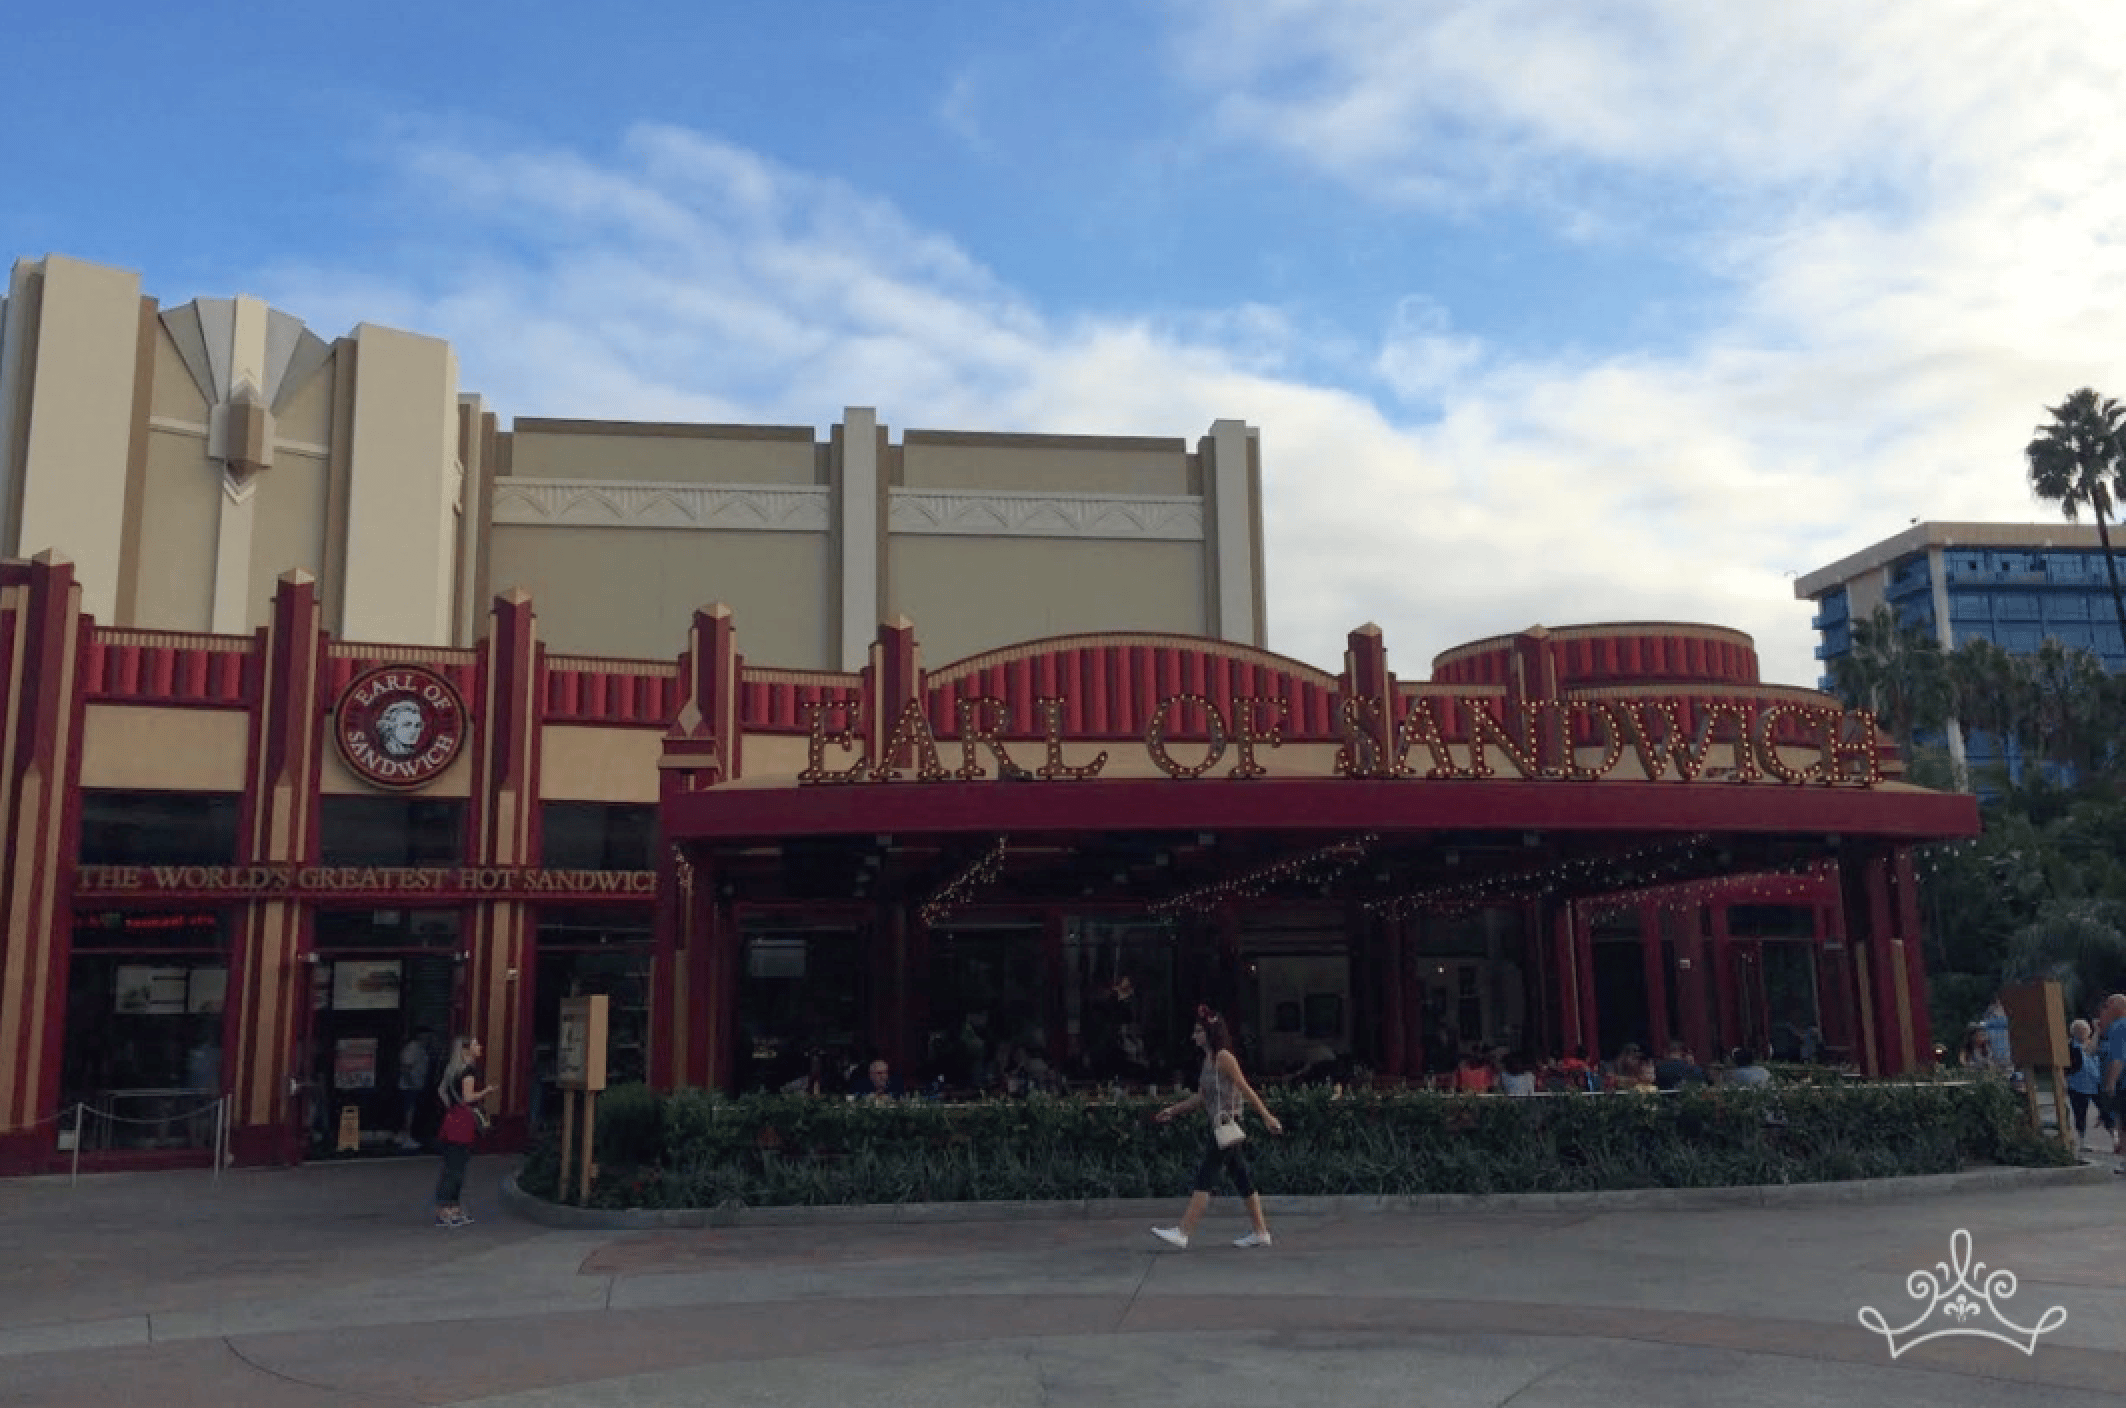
<point x="248" y="882"/>
<point x="399" y="727"/>
<point x="1790" y="743"/>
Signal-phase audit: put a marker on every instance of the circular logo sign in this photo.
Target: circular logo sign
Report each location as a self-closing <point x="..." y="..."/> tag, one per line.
<point x="399" y="726"/>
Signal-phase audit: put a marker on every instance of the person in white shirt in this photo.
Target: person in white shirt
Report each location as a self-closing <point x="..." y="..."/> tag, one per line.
<point x="413" y="1080"/>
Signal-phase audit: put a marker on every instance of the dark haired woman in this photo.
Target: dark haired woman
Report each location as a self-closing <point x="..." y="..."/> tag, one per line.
<point x="1222" y="1091"/>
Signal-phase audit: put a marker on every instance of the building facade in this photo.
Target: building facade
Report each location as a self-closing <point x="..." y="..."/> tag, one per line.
<point x="185" y="457"/>
<point x="2016" y="585"/>
<point x="258" y="832"/>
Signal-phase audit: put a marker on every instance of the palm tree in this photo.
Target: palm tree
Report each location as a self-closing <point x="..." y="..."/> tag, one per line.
<point x="2076" y="460"/>
<point x="1992" y="693"/>
<point x="1898" y="672"/>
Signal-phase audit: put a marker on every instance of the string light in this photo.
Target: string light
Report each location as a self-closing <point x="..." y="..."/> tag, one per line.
<point x="1629" y="869"/>
<point x="956" y="892"/>
<point x="1314" y="868"/>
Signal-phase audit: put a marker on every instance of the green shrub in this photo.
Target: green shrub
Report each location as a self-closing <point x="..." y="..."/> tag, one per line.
<point x="701" y="1149"/>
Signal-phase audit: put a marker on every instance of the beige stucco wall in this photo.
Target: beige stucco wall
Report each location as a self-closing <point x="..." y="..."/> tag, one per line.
<point x="180" y="517"/>
<point x="968" y="594"/>
<point x="599" y="764"/>
<point x="1054" y="464"/>
<point x="660" y="454"/>
<point x="174" y="395"/>
<point x="80" y="424"/>
<point x="632" y="592"/>
<point x="165" y="750"/>
<point x="288" y="528"/>
<point x="303" y="414"/>
<point x="401" y="523"/>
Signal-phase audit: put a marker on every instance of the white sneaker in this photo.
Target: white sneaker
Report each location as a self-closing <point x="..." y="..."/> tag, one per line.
<point x="1173" y="1235"/>
<point x="1254" y="1239"/>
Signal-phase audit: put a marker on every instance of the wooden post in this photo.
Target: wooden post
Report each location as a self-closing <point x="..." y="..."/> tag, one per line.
<point x="590" y="1129"/>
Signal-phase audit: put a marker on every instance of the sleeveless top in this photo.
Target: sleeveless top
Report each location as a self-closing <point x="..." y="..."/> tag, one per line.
<point x="1221" y="1097"/>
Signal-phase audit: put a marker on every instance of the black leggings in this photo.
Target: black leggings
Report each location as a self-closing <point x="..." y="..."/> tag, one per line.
<point x="450" y="1184"/>
<point x="1234" y="1161"/>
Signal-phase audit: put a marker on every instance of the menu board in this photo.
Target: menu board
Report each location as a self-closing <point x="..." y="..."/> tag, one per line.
<point x="365" y="985"/>
<point x="579" y="1055"/>
<point x="354" y="1063"/>
<point x="146" y="990"/>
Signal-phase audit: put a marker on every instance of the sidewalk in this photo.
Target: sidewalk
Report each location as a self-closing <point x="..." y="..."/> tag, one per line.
<point x="327" y="1285"/>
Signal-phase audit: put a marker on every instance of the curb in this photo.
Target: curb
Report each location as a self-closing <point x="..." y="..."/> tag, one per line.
<point x="521" y="1204"/>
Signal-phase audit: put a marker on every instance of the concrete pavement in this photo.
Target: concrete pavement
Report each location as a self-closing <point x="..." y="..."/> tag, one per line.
<point x="326" y="1285"/>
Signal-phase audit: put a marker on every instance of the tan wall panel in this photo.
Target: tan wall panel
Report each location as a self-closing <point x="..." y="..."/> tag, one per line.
<point x="599" y="764"/>
<point x="690" y="455"/>
<point x="1058" y="467"/>
<point x="401" y="529"/>
<point x="165" y="750"/>
<point x="288" y="527"/>
<point x="632" y="592"/>
<point x="338" y="781"/>
<point x="968" y="594"/>
<point x="174" y="394"/>
<point x="306" y="416"/>
<point x="81" y="424"/>
<point x="180" y="518"/>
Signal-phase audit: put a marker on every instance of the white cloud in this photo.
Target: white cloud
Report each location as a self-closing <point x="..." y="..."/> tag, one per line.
<point x="1917" y="207"/>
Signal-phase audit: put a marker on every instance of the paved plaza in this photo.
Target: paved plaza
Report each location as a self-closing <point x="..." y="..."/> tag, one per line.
<point x="328" y="1286"/>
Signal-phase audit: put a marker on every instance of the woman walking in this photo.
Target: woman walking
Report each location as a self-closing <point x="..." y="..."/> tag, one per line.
<point x="461" y="1094"/>
<point x="1222" y="1091"/>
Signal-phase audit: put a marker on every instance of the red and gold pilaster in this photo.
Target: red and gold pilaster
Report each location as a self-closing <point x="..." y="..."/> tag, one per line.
<point x="503" y="829"/>
<point x="269" y="966"/>
<point x="42" y="636"/>
<point x="694" y="1000"/>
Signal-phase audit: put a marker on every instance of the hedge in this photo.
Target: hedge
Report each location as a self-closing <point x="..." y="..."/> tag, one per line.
<point x="694" y="1149"/>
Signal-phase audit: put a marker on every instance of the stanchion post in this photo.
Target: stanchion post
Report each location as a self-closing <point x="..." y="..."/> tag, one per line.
<point x="221" y="1136"/>
<point x="80" y="1107"/>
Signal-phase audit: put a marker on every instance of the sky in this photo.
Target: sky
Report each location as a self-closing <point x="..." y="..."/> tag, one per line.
<point x="1546" y="313"/>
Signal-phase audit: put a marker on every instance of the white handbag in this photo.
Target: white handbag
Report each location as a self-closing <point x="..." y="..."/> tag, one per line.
<point x="1228" y="1132"/>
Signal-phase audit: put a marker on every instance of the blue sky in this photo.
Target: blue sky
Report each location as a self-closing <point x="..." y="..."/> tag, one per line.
<point x="1620" y="310"/>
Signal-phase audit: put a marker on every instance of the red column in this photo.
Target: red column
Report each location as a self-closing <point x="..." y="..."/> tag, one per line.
<point x="43" y="640"/>
<point x="269" y="978"/>
<point x="1583" y="958"/>
<point x="1919" y="1030"/>
<point x="1864" y="887"/>
<point x="694" y="1002"/>
<point x="503" y="829"/>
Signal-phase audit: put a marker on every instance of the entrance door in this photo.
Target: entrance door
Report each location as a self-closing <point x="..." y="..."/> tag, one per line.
<point x="383" y="978"/>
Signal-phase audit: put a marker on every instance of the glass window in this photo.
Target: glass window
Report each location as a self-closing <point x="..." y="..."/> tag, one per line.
<point x="593" y="951"/>
<point x="391" y="830"/>
<point x="143" y="1044"/>
<point x="158" y="828"/>
<point x="801" y="991"/>
<point x="387" y="928"/>
<point x="1771" y="921"/>
<point x="1120" y="1008"/>
<point x="598" y="836"/>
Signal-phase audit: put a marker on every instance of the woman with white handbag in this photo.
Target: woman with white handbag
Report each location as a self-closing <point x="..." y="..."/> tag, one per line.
<point x="1223" y="1092"/>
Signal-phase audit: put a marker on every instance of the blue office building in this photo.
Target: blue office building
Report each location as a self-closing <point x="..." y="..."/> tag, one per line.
<point x="2014" y="584"/>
